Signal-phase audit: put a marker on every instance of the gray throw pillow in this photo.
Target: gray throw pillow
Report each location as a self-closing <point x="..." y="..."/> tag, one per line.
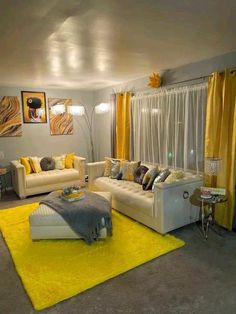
<point x="139" y="174"/>
<point x="148" y="179"/>
<point x="47" y="163"/>
<point x="161" y="177"/>
<point x="115" y="168"/>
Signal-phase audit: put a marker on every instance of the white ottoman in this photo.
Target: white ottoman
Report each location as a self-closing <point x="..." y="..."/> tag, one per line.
<point x="46" y="223"/>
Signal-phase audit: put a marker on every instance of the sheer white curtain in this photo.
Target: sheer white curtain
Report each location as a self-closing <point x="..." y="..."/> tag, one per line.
<point x="168" y="127"/>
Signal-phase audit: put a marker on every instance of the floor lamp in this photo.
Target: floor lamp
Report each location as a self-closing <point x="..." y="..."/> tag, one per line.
<point x="80" y="110"/>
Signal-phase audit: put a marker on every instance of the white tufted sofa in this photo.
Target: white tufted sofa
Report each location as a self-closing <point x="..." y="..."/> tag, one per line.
<point x="46" y="181"/>
<point x="166" y="209"/>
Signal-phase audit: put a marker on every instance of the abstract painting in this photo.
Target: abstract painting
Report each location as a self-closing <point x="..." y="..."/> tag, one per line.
<point x="34" y="107"/>
<point x="60" y="123"/>
<point x="10" y="117"/>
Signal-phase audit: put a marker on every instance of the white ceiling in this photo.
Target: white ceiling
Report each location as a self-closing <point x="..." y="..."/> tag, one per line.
<point x="90" y="44"/>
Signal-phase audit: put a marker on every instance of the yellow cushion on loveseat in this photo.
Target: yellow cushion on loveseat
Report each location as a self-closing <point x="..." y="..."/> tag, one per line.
<point x="35" y="164"/>
<point x="69" y="162"/>
<point x="26" y="163"/>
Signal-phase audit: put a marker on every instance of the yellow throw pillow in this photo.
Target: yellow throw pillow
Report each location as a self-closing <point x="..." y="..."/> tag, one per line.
<point x="127" y="169"/>
<point x="35" y="164"/>
<point x="175" y="175"/>
<point x="69" y="162"/>
<point x="59" y="162"/>
<point x="26" y="163"/>
<point x="107" y="167"/>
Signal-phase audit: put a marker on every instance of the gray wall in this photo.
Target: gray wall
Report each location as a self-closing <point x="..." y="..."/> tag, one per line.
<point x="36" y="139"/>
<point x="187" y="72"/>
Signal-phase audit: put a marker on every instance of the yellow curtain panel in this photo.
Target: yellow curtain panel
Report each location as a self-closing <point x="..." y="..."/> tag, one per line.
<point x="123" y="116"/>
<point x="220" y="138"/>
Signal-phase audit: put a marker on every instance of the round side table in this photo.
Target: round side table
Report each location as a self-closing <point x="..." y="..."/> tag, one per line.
<point x="208" y="217"/>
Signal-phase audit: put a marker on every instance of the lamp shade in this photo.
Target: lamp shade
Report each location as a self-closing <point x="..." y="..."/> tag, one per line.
<point x="102" y="108"/>
<point x="77" y="110"/>
<point x="212" y="166"/>
<point x="58" y="109"/>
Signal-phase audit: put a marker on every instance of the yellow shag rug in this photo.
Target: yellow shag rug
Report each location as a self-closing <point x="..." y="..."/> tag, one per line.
<point x="54" y="270"/>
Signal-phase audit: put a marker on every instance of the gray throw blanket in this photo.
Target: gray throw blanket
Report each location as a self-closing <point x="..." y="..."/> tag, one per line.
<point x="83" y="216"/>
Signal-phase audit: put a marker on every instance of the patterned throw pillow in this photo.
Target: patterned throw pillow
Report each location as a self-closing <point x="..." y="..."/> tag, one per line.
<point x="69" y="162"/>
<point x="47" y="163"/>
<point x="26" y="163"/>
<point x="35" y="164"/>
<point x="127" y="169"/>
<point x="108" y="165"/>
<point x="149" y="177"/>
<point x="175" y="175"/>
<point x="115" y="169"/>
<point x="161" y="177"/>
<point x="139" y="174"/>
<point x="59" y="162"/>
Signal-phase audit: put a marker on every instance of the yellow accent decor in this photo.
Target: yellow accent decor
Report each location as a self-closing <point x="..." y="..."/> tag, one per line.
<point x="220" y="139"/>
<point x="26" y="163"/>
<point x="123" y="111"/>
<point x="55" y="270"/>
<point x="154" y="80"/>
<point x="69" y="162"/>
<point x="35" y="164"/>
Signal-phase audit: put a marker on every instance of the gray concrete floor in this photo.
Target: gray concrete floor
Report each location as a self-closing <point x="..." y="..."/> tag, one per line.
<point x="198" y="278"/>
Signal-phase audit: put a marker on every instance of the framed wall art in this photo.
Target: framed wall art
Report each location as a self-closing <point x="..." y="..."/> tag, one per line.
<point x="34" y="107"/>
<point x="61" y="123"/>
<point x="10" y="117"/>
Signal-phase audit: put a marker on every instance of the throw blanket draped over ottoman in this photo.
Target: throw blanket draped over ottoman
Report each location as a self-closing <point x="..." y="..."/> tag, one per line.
<point x="83" y="216"/>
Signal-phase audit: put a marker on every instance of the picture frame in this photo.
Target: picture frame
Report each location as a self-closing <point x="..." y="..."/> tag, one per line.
<point x="34" y="107"/>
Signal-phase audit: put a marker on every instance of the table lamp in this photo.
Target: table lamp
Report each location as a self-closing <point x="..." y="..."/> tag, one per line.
<point x="212" y="169"/>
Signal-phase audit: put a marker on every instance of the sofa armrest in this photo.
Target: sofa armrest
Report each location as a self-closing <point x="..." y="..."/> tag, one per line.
<point x="95" y="170"/>
<point x="18" y="178"/>
<point x="79" y="165"/>
<point x="172" y="206"/>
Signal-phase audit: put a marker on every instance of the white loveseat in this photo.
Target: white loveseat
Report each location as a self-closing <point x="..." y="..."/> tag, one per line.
<point x="166" y="209"/>
<point x="46" y="181"/>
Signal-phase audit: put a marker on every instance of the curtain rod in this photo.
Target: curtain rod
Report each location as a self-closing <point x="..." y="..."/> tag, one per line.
<point x="199" y="78"/>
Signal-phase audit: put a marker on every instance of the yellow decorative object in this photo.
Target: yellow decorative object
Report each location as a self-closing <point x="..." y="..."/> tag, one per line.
<point x="35" y="164"/>
<point x="123" y="122"/>
<point x="154" y="80"/>
<point x="220" y="139"/>
<point x="69" y="162"/>
<point x="26" y="163"/>
<point x="55" y="270"/>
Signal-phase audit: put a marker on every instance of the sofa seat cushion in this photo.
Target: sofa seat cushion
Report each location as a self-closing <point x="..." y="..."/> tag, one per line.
<point x="51" y="177"/>
<point x="127" y="192"/>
